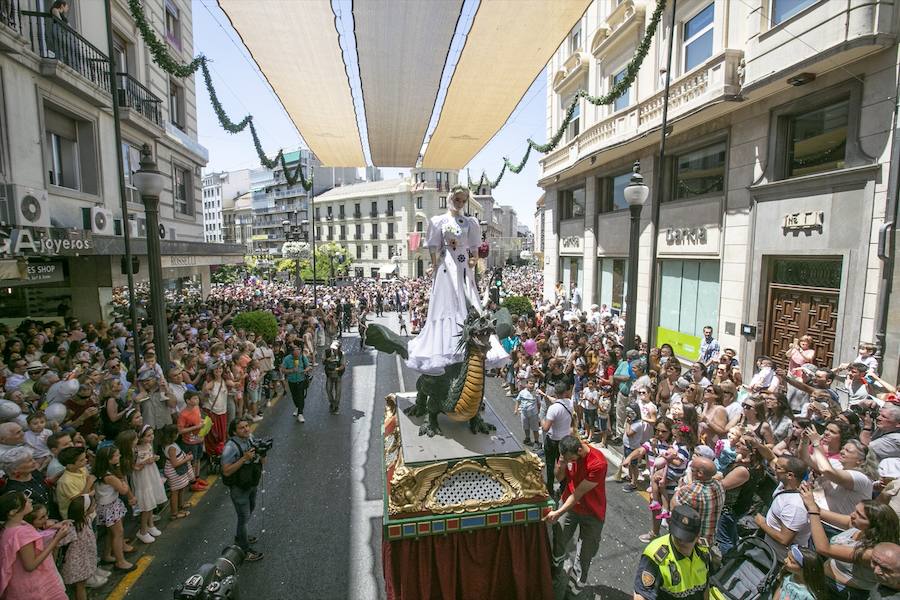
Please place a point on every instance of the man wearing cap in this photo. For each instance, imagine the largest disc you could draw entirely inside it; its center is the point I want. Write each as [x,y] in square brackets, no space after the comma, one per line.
[334,371]
[34,371]
[156,403]
[583,468]
[674,565]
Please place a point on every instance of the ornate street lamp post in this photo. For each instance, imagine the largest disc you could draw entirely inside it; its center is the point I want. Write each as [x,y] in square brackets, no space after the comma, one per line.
[150,182]
[636,194]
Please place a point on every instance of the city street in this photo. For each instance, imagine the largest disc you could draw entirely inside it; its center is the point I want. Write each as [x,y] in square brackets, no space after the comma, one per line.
[318,516]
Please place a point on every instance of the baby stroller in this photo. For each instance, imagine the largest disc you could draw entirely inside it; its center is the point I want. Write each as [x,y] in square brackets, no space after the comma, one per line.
[748,572]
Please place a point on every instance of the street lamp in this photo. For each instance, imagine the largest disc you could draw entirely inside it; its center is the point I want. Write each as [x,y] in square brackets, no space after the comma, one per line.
[636,194]
[150,182]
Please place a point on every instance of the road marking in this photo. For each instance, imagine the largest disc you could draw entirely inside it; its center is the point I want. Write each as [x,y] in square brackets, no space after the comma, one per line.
[125,584]
[197,496]
[362,583]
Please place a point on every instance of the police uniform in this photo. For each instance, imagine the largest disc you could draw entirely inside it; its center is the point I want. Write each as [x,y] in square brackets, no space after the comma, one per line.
[664,573]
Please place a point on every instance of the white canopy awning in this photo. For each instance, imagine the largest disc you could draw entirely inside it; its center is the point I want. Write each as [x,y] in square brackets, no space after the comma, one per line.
[509,44]
[389,268]
[402,48]
[296,47]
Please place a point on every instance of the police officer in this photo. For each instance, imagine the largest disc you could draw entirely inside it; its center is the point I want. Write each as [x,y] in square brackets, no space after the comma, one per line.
[675,565]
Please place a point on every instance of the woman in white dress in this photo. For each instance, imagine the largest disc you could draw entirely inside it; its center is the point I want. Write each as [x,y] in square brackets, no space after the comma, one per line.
[453,240]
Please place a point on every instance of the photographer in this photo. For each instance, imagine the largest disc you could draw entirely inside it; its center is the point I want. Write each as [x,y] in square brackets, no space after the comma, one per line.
[241,472]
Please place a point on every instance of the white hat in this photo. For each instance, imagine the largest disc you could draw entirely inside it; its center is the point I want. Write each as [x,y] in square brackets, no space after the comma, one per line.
[335,345]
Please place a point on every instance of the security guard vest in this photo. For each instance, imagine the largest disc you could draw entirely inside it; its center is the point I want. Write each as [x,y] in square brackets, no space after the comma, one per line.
[682,577]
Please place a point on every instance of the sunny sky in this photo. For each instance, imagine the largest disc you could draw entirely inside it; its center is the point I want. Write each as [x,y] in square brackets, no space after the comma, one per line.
[242,89]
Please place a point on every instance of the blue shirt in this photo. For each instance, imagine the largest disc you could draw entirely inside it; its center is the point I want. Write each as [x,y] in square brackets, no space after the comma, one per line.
[289,363]
[709,350]
[234,449]
[527,402]
[624,369]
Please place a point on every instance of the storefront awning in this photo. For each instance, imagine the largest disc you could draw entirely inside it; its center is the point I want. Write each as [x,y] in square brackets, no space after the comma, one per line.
[401,74]
[509,44]
[297,48]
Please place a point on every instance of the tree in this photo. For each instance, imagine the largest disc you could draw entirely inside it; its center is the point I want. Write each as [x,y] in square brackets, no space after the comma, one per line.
[518,305]
[260,322]
[227,274]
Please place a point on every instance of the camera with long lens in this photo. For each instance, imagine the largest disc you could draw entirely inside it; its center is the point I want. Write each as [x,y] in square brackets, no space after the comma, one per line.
[262,445]
[862,410]
[217,581]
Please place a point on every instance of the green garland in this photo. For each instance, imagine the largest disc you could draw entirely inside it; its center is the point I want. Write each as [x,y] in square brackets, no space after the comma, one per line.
[616,92]
[160,52]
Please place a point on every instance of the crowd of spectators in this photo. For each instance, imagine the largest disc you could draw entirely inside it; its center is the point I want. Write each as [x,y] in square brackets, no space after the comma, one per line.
[93,440]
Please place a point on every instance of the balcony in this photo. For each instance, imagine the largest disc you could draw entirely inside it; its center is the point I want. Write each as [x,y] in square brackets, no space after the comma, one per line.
[11,36]
[718,78]
[357,214]
[357,236]
[373,214]
[69,59]
[139,106]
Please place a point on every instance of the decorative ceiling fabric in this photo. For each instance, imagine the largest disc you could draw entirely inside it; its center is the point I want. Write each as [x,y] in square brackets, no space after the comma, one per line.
[508,45]
[402,48]
[297,48]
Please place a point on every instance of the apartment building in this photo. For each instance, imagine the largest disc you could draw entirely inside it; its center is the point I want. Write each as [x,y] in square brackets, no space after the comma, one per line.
[60,207]
[221,190]
[382,224]
[774,182]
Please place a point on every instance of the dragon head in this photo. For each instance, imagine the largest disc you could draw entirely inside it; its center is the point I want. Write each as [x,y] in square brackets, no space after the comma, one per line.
[477,330]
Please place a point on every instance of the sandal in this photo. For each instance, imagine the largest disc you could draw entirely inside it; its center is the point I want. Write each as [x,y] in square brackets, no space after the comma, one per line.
[180,514]
[646,538]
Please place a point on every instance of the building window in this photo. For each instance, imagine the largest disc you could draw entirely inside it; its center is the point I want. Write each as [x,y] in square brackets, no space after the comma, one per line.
[612,282]
[358,232]
[330,232]
[782,10]
[373,273]
[691,292]
[418,202]
[574,127]
[316,213]
[390,208]
[438,179]
[360,272]
[624,100]
[374,211]
[71,152]
[374,231]
[700,172]
[358,253]
[341,211]
[420,226]
[176,105]
[817,140]
[374,251]
[357,211]
[442,201]
[343,232]
[328,213]
[390,231]
[697,38]
[131,159]
[575,39]
[173,25]
[614,193]
[181,191]
[571,203]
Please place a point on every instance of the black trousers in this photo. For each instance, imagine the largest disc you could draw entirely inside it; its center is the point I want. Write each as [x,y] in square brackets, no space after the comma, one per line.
[298,393]
[551,454]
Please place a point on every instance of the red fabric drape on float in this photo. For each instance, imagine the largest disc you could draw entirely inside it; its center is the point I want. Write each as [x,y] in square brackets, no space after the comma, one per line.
[511,562]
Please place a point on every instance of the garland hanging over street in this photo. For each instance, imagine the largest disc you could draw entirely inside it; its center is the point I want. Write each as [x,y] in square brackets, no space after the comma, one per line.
[617,91]
[167,63]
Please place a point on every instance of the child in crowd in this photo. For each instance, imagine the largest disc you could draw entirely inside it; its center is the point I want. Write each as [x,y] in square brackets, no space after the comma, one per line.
[178,470]
[74,480]
[402,323]
[527,408]
[726,450]
[190,422]
[55,443]
[254,379]
[80,564]
[581,379]
[523,372]
[604,405]
[635,429]
[148,487]
[110,508]
[590,400]
[36,438]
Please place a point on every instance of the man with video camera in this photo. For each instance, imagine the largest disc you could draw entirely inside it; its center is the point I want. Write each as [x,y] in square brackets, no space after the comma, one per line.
[242,465]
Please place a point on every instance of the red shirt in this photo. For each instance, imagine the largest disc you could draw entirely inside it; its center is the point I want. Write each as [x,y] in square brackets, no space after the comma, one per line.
[189,418]
[592,468]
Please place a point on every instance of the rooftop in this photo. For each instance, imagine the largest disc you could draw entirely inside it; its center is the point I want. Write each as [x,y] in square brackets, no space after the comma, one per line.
[364,189]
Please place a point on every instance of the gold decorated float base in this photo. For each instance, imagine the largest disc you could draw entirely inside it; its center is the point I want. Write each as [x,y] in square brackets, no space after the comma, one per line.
[460,481]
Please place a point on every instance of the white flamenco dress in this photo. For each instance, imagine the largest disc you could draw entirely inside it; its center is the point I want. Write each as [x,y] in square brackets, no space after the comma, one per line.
[453,290]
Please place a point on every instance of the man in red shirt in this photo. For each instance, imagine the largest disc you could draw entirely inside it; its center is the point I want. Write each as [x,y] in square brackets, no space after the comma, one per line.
[583,506]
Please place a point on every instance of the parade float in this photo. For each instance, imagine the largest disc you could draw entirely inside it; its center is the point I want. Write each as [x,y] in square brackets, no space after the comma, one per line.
[463,500]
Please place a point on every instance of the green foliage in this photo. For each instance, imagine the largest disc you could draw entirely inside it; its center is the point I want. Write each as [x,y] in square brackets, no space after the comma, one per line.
[260,322]
[160,52]
[285,264]
[226,274]
[518,305]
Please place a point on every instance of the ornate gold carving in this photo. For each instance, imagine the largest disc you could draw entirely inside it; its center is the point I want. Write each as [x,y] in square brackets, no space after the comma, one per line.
[524,473]
[409,486]
[507,496]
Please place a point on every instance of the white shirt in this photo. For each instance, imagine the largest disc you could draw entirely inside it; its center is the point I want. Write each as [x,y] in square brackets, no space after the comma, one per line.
[787,510]
[560,416]
[841,500]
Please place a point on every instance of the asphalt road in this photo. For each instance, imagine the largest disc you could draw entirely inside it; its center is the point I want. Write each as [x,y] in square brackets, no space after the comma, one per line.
[318,515]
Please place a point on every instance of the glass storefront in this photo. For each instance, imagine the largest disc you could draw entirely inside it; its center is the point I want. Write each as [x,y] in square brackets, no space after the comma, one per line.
[571,268]
[612,282]
[688,301]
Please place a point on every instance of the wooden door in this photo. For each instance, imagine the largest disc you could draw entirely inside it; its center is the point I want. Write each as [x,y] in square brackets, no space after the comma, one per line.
[795,311]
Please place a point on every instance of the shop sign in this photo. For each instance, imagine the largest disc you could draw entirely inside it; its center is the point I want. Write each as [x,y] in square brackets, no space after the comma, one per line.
[804,221]
[45,272]
[685,236]
[685,345]
[571,243]
[48,241]
[173,261]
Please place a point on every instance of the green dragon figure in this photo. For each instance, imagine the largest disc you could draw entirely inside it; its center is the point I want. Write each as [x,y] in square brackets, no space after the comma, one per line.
[459,392]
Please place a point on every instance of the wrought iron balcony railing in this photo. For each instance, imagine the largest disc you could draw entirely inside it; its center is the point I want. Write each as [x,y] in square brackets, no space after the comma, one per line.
[10,16]
[52,39]
[133,95]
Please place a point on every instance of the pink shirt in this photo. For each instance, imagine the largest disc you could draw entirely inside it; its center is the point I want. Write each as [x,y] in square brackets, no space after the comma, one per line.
[44,583]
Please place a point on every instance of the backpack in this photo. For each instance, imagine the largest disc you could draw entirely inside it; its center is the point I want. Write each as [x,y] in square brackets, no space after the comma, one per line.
[245,478]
